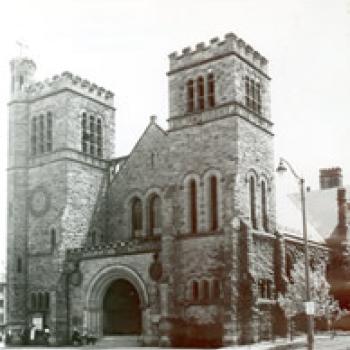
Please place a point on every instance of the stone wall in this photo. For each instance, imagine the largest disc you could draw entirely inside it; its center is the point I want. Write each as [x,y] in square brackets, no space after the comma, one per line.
[16,219]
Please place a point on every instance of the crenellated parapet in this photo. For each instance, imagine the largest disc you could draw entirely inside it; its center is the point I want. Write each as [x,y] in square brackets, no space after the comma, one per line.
[231,44]
[69,81]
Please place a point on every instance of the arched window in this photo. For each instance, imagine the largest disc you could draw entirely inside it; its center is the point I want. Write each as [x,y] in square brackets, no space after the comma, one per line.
[33,136]
[268,289]
[193,206]
[53,238]
[33,301]
[258,97]
[195,290]
[261,288]
[200,93]
[247,92]
[40,301]
[41,134]
[136,216]
[289,266]
[47,301]
[190,96]
[49,132]
[206,292]
[92,135]
[264,217]
[21,82]
[93,238]
[99,137]
[84,134]
[213,203]
[211,90]
[216,289]
[252,202]
[154,214]
[19,265]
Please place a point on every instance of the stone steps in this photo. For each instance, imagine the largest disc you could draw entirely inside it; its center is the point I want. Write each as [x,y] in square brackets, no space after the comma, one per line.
[118,341]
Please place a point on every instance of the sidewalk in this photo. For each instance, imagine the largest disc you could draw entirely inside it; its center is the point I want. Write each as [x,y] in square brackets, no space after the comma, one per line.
[299,342]
[278,344]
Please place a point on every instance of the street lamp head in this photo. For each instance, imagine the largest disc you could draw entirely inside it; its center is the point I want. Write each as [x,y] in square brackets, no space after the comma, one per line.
[281,169]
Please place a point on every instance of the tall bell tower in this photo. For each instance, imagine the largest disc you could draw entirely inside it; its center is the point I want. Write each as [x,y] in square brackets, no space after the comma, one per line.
[61,137]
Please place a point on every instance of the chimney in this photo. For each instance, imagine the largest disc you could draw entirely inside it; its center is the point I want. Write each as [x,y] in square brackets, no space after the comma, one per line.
[331,178]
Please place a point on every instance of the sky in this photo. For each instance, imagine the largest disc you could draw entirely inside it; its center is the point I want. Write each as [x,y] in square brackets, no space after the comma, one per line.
[123,45]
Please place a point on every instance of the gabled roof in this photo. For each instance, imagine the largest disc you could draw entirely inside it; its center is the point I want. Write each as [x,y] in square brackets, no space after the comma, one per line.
[288,213]
[322,209]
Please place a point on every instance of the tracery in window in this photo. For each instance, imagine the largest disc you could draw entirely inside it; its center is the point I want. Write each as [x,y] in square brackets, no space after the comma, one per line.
[190,96]
[211,90]
[200,93]
[253,95]
[91,135]
[41,134]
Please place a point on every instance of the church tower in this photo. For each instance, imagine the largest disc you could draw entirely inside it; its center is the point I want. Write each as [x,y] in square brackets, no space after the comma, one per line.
[61,137]
[219,101]
[228,79]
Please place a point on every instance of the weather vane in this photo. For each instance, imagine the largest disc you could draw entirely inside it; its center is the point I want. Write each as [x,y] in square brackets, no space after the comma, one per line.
[21,45]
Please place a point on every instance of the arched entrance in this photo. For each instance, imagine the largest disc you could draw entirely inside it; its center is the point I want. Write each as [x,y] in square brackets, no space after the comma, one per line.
[121,309]
[112,293]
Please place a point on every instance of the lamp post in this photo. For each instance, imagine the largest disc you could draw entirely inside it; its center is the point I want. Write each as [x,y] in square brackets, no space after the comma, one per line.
[283,167]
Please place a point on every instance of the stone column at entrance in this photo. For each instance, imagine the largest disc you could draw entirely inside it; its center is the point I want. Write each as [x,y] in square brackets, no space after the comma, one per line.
[147,336]
[164,323]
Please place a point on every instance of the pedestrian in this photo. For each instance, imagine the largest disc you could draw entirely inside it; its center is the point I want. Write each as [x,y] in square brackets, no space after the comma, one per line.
[32,333]
[76,338]
[46,334]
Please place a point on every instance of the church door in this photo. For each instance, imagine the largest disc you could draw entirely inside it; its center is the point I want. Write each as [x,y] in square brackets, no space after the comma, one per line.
[121,309]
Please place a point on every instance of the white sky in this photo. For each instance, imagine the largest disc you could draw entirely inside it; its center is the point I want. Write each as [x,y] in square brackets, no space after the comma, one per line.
[123,46]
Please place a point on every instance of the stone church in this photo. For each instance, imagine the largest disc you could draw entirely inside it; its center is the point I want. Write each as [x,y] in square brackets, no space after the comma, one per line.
[174,244]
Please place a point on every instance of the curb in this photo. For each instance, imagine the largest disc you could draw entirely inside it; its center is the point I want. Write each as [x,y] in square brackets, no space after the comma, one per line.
[294,345]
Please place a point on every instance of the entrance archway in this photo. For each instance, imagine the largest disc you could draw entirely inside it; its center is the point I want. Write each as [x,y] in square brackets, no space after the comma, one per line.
[121,309]
[113,282]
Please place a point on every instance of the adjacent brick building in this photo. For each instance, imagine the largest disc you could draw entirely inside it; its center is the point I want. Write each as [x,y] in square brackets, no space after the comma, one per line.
[181,233]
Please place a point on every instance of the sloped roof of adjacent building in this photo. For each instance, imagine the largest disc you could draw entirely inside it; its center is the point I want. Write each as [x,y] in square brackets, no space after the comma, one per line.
[288,212]
[322,209]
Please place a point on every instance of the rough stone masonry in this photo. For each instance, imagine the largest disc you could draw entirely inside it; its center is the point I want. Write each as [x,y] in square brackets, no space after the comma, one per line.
[176,243]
